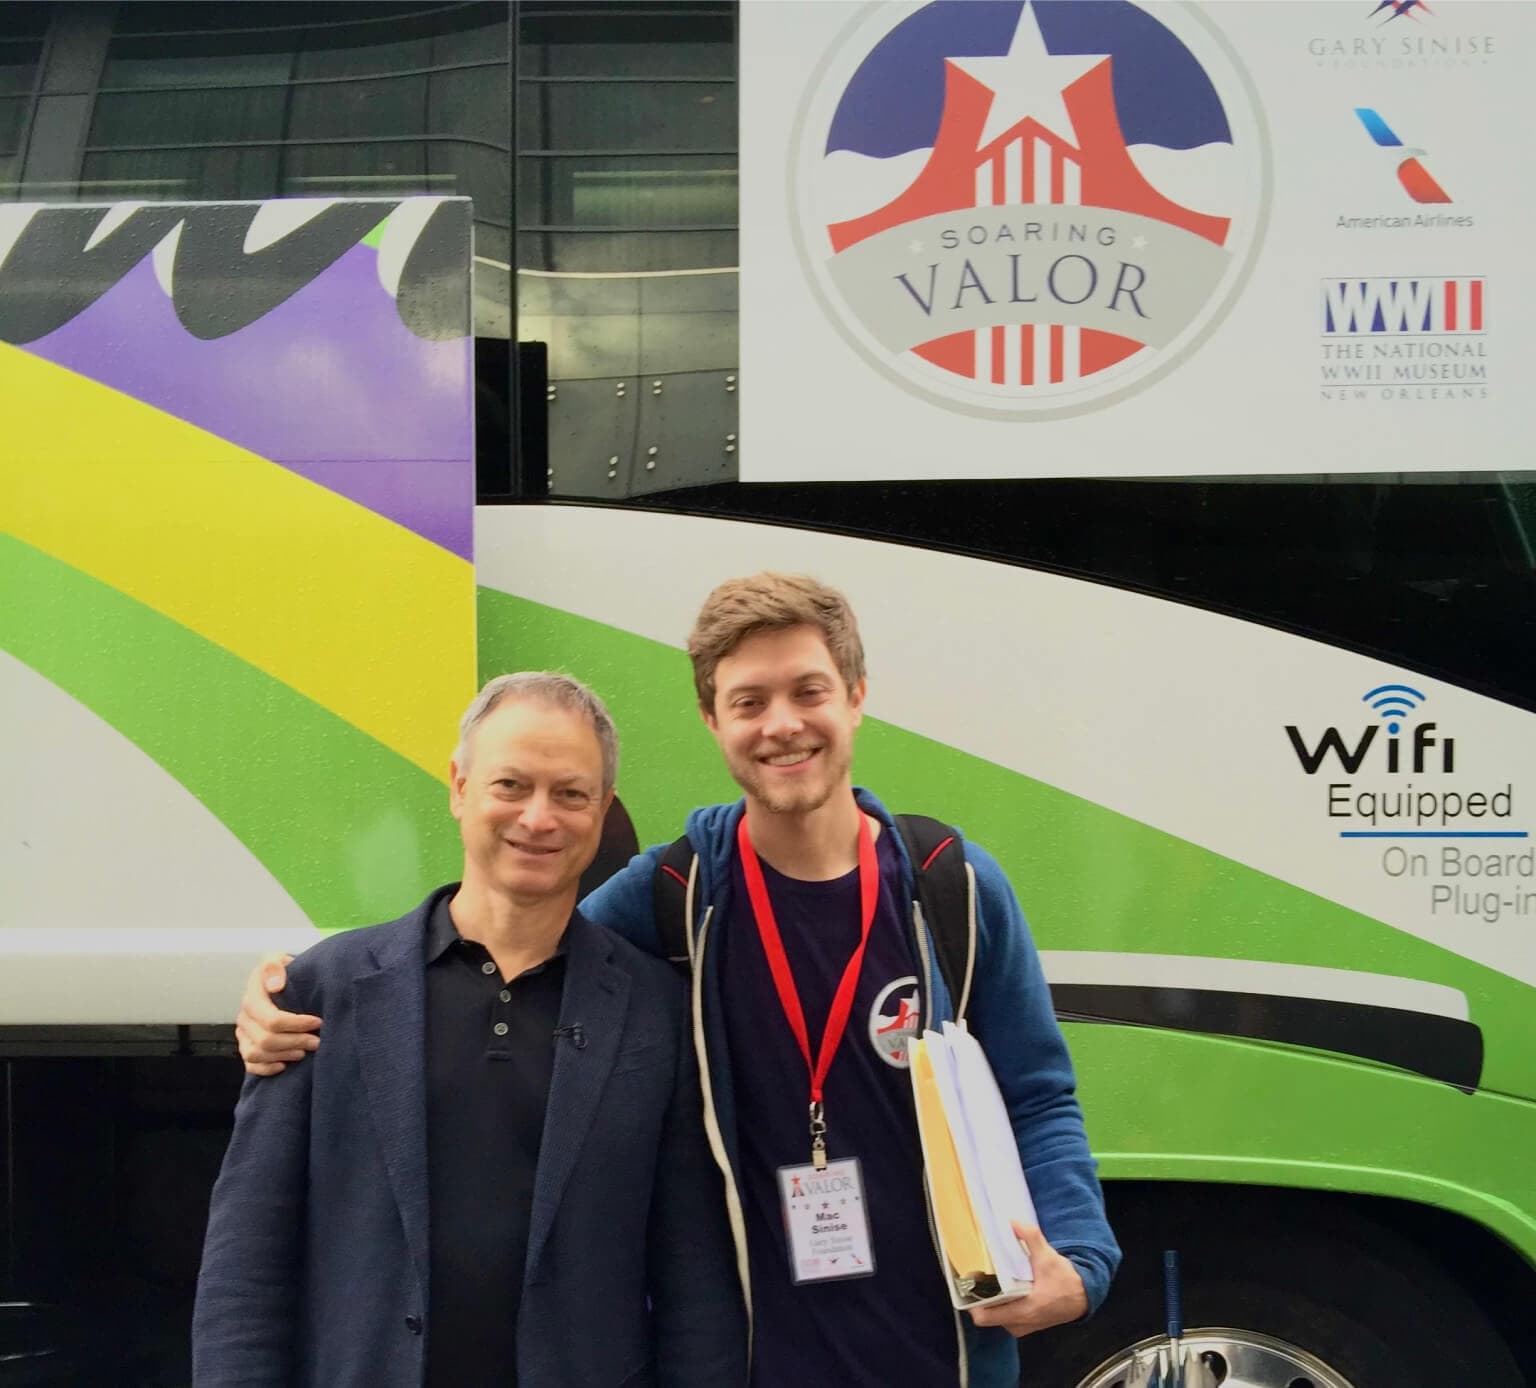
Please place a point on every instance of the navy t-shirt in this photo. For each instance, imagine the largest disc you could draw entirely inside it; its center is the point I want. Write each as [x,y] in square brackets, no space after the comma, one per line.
[896,1326]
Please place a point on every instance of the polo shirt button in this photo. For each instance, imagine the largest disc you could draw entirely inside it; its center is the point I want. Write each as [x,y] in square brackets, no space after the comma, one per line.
[506,995]
[413,1324]
[500,1028]
[489,967]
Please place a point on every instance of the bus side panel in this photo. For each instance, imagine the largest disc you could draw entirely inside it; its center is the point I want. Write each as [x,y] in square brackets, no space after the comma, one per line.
[239,622]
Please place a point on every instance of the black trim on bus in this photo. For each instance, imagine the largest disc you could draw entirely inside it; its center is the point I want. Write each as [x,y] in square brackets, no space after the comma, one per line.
[1439,1048]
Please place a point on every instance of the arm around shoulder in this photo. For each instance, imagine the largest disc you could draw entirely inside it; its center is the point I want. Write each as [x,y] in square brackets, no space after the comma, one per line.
[626,903]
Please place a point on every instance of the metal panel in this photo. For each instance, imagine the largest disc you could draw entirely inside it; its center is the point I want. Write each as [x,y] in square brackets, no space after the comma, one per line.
[592,436]
[687,432]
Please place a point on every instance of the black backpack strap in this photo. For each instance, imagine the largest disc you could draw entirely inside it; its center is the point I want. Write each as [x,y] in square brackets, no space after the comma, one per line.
[674,872]
[946,892]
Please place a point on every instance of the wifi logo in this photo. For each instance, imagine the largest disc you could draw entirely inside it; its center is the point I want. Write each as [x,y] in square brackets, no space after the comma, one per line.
[1393,702]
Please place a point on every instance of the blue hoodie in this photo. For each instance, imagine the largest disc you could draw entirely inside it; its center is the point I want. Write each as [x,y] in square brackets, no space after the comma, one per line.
[1009,1011]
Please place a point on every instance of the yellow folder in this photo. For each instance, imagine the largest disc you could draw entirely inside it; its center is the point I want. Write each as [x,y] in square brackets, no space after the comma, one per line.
[959,1229]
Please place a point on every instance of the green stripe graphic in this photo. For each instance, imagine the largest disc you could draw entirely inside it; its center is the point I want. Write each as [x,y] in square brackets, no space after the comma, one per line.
[353,831]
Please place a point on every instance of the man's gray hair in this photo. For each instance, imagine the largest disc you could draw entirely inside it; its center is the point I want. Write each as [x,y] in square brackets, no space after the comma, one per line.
[553,690]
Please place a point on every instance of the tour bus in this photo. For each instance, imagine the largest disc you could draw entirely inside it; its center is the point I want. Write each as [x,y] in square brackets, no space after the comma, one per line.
[1220,735]
[1256,748]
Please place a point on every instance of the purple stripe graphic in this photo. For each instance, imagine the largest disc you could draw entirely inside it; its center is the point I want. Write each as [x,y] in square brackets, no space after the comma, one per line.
[330,384]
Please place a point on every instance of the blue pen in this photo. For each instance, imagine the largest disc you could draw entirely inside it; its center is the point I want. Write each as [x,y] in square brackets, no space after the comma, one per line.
[1173,1307]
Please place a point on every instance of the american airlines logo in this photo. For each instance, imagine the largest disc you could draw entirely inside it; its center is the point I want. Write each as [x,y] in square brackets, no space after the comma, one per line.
[1386,307]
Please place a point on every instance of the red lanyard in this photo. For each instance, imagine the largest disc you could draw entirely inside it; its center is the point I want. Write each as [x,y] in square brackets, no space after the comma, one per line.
[784,978]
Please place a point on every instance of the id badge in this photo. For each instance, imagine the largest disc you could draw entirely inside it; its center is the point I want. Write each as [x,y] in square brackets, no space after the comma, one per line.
[827,1221]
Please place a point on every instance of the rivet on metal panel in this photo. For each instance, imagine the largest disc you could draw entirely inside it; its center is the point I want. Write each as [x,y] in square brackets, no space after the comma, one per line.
[730,448]
[612,474]
[550,393]
[614,461]
[655,387]
[730,385]
[620,390]
[730,438]
[650,465]
[653,450]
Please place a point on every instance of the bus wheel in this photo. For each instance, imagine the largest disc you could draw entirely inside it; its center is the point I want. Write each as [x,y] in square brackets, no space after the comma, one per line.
[1235,1358]
[1272,1301]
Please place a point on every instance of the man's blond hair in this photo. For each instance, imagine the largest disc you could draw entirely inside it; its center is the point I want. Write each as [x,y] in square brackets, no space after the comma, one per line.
[743,607]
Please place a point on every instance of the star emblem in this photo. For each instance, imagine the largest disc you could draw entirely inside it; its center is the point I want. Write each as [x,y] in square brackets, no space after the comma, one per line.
[1029,81]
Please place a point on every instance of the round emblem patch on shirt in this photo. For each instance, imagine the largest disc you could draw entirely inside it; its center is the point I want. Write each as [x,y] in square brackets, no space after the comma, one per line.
[894,1020]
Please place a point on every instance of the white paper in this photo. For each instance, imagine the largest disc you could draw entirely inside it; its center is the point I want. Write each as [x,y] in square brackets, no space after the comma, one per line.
[1004,1191]
[988,1154]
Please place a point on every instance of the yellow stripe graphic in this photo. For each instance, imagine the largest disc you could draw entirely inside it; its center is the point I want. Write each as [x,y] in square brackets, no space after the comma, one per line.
[350,609]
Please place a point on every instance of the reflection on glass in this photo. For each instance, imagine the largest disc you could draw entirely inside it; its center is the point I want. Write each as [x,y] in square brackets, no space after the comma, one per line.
[173,175]
[256,101]
[393,106]
[12,114]
[627,116]
[209,116]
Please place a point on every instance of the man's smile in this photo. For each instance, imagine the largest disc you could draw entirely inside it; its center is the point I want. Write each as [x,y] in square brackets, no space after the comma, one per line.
[793,758]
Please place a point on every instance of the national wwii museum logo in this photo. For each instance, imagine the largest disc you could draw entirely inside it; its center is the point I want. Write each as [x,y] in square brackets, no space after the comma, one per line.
[1028,210]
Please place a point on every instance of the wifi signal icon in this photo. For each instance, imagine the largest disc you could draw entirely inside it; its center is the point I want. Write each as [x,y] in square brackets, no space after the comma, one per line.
[1393,702]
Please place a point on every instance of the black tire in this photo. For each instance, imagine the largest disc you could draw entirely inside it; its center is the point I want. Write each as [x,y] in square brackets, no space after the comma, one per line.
[1314,1273]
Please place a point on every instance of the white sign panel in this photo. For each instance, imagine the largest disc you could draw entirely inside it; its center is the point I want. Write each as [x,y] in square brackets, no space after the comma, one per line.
[1050,238]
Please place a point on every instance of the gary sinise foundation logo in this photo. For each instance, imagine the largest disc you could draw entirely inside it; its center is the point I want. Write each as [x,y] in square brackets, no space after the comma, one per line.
[1028,209]
[1369,765]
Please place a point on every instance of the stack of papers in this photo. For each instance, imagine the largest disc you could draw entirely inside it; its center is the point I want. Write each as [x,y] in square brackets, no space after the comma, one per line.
[975,1179]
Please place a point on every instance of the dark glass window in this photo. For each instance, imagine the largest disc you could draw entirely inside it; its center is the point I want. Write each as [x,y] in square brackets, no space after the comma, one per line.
[174,175]
[200,60]
[18,63]
[203,116]
[575,192]
[358,110]
[12,113]
[22,27]
[600,38]
[262,100]
[627,116]
[626,132]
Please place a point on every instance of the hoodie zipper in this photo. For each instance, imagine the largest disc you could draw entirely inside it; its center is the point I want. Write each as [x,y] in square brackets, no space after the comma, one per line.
[712,1126]
[920,935]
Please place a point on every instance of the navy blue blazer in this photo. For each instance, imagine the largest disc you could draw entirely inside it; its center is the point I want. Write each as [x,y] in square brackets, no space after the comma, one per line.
[315,1265]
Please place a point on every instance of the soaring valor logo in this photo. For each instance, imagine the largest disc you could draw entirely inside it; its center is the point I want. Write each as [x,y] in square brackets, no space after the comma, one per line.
[1028,209]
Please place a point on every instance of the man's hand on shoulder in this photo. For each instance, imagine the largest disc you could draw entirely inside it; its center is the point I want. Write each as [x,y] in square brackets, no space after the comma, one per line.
[1056,1298]
[269,1037]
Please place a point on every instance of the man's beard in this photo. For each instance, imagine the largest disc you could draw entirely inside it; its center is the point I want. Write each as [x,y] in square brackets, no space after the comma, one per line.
[792,799]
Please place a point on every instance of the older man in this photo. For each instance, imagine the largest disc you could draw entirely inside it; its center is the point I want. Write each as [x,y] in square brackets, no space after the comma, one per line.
[494,1174]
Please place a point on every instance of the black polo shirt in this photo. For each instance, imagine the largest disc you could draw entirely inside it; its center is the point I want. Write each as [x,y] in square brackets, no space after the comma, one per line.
[489,1056]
